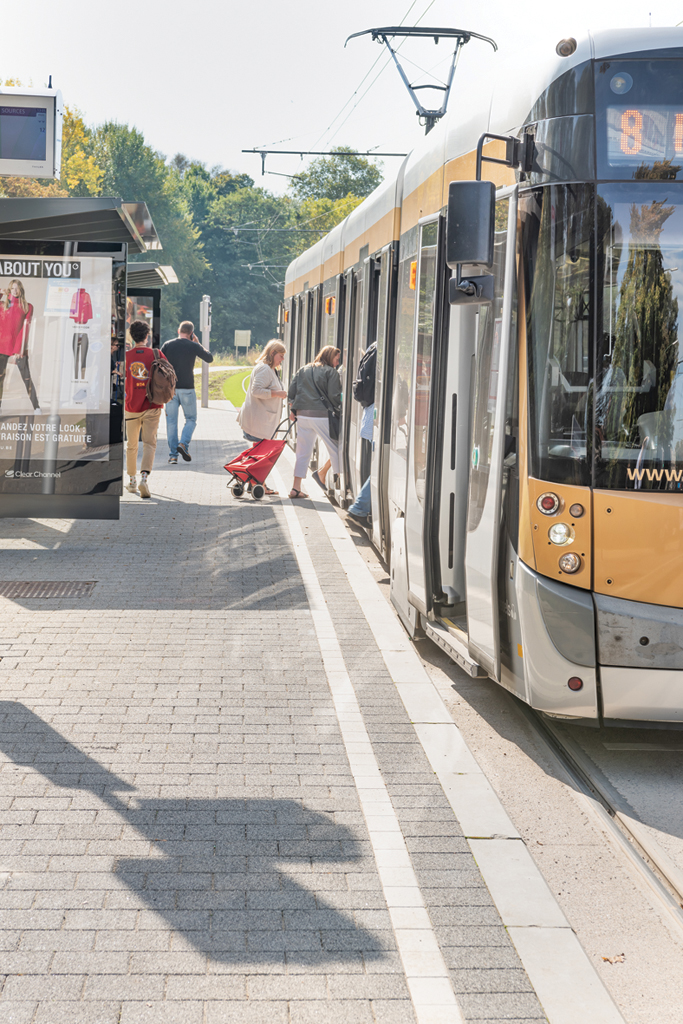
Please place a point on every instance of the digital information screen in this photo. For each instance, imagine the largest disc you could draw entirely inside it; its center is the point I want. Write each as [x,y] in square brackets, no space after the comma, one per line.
[23,133]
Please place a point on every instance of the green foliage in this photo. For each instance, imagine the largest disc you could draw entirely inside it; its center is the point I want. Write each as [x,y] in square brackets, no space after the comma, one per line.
[336,177]
[222,235]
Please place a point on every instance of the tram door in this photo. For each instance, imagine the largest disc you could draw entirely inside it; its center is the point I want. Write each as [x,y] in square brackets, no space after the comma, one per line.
[381,430]
[488,445]
[426,320]
[354,409]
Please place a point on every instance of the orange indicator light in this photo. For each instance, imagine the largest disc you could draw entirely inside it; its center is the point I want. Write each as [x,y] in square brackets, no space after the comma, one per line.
[413,274]
[678,134]
[631,132]
[329,305]
[286,316]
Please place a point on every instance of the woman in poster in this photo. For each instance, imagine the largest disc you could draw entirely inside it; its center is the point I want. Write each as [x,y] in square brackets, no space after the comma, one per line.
[15,322]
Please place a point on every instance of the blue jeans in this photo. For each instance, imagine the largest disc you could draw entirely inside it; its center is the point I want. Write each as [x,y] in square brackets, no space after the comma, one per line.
[187,398]
[362,506]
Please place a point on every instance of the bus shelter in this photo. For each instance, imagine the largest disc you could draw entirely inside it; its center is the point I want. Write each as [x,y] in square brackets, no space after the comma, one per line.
[63,307]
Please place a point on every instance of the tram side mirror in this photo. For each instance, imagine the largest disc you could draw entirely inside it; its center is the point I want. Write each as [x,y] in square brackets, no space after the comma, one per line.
[469,238]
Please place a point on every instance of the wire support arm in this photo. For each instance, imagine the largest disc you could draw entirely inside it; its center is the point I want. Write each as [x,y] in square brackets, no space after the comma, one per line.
[461,36]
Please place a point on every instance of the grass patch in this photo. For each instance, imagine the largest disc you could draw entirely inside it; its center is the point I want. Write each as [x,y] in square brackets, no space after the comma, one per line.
[232,386]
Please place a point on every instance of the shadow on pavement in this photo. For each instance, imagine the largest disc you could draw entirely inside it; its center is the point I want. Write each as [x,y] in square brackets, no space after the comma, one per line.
[229,875]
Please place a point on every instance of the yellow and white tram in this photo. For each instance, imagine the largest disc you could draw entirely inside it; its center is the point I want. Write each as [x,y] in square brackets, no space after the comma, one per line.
[527,454]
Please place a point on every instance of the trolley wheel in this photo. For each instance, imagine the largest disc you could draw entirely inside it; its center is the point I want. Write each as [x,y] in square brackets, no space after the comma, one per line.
[257,491]
[238,490]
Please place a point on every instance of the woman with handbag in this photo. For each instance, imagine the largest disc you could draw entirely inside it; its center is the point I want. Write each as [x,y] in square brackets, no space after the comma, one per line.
[315,403]
[260,415]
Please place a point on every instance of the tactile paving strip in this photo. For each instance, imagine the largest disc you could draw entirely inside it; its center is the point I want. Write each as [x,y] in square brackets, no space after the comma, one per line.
[46,588]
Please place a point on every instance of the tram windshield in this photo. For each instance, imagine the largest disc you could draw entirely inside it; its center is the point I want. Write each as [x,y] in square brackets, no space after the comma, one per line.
[639,372]
[617,403]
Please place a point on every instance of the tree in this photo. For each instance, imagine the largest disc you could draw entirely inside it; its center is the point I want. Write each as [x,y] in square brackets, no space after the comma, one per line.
[336,177]
[133,171]
[81,175]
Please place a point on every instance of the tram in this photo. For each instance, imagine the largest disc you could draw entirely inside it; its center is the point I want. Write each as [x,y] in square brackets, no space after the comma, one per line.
[527,455]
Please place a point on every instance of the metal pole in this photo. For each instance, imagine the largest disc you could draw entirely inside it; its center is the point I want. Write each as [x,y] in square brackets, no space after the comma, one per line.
[205,371]
[205,327]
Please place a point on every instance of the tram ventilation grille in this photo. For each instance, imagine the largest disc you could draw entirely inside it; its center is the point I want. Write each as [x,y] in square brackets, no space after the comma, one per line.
[46,588]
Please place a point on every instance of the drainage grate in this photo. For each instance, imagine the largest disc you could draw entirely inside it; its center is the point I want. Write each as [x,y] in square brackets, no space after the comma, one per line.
[47,588]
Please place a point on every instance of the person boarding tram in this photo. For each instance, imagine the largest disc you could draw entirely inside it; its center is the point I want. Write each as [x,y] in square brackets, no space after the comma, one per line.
[315,403]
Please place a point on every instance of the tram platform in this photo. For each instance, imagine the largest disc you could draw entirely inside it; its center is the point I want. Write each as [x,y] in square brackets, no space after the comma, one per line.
[230,792]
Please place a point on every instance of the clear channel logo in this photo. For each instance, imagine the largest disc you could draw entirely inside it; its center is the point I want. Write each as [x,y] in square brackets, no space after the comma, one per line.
[15,474]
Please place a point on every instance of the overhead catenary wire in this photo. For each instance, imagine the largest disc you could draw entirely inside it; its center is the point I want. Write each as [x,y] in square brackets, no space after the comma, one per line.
[363,79]
[382,70]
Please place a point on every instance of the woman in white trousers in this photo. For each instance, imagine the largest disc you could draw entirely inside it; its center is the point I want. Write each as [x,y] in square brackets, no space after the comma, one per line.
[314,382]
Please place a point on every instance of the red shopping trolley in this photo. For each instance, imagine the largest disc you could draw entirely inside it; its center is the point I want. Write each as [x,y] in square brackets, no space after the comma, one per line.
[254,465]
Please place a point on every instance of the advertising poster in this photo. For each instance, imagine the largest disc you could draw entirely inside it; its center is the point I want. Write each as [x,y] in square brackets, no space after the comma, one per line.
[55,358]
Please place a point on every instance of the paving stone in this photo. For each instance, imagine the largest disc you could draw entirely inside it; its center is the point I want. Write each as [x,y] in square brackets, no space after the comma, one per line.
[180,823]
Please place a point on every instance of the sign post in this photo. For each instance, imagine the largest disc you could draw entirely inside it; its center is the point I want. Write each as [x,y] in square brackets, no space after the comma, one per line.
[242,340]
[205,328]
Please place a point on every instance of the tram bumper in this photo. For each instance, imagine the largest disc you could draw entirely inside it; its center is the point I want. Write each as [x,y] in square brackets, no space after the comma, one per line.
[640,649]
[557,625]
[628,655]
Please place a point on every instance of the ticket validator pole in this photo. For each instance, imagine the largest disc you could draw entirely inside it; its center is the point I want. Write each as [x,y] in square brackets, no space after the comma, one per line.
[205,328]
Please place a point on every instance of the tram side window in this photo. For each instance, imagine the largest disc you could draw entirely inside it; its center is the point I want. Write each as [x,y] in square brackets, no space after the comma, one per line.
[381,317]
[487,357]
[403,357]
[557,225]
[425,340]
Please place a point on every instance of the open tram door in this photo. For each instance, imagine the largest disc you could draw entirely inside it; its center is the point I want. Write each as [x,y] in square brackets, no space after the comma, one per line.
[494,341]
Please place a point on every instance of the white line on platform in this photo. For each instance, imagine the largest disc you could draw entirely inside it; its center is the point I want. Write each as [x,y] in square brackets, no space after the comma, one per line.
[566,982]
[426,972]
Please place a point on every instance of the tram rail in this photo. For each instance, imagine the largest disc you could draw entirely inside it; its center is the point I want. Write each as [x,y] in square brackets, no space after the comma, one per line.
[644,856]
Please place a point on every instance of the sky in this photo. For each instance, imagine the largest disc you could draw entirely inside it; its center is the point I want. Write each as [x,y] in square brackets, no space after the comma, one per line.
[209,78]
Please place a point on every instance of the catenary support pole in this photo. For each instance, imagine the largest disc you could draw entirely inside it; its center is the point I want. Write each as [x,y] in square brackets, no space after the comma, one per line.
[205,328]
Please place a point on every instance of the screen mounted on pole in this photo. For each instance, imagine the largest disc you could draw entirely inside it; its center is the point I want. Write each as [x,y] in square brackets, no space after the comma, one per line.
[30,132]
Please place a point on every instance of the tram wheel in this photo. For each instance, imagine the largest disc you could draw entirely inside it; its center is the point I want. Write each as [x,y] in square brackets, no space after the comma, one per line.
[257,491]
[238,490]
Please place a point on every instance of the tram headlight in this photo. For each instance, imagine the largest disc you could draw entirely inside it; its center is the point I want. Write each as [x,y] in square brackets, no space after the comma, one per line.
[548,503]
[621,83]
[570,562]
[561,533]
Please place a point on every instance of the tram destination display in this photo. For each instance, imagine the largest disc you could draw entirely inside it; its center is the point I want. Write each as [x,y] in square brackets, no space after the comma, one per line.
[639,119]
[644,134]
[55,361]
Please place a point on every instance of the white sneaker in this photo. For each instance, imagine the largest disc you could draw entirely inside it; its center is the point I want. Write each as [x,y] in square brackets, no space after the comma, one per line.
[144,489]
[38,411]
[81,395]
[132,485]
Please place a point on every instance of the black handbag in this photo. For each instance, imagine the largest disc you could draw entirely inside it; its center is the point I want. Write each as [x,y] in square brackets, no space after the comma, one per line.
[333,418]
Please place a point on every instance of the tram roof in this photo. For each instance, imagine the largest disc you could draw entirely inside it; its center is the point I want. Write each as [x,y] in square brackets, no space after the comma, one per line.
[448,152]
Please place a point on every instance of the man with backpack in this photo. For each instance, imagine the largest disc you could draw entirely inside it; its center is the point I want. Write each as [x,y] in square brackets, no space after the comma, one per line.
[364,392]
[150,383]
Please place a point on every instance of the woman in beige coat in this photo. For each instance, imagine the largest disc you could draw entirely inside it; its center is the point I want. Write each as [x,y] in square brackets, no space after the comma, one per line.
[262,409]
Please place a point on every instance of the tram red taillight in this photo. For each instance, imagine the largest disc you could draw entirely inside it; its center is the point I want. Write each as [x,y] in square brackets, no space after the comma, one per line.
[574,683]
[548,503]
